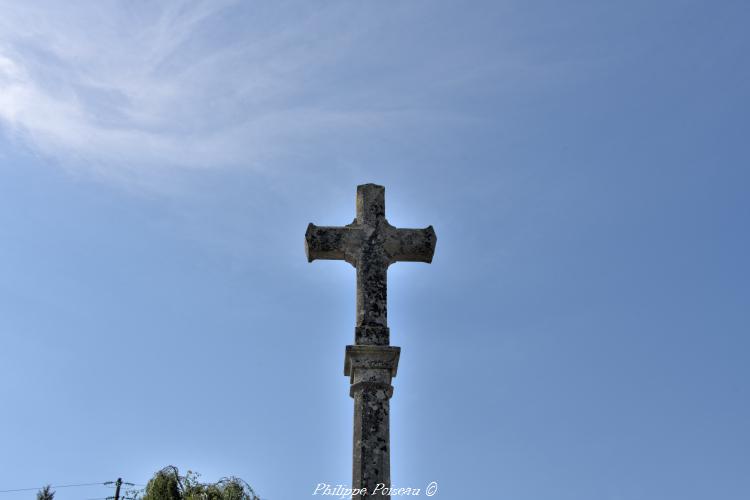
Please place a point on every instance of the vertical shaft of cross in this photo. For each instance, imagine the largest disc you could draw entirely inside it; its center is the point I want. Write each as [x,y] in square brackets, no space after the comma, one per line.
[371,369]
[372,262]
[371,460]
[370,204]
[371,386]
[372,290]
[370,244]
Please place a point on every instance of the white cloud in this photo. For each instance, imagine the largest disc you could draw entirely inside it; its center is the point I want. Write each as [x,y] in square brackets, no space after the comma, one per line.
[130,89]
[122,89]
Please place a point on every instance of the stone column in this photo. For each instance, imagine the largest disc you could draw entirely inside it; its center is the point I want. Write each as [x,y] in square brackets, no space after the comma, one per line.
[370,368]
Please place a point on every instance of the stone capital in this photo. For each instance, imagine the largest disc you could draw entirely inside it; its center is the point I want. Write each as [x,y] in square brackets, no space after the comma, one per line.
[371,357]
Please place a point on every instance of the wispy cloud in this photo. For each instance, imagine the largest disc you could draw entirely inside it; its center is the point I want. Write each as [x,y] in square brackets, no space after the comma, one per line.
[134,89]
[123,86]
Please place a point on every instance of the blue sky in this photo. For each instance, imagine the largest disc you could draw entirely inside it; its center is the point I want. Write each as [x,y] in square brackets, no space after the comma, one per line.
[582,333]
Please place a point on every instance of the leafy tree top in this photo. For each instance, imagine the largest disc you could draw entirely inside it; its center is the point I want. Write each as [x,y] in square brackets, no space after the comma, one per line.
[168,484]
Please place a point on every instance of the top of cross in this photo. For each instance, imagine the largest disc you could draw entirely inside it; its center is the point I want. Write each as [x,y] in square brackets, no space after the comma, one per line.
[370,244]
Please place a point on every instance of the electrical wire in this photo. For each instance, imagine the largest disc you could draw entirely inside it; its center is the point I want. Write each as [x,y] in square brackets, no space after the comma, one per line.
[53,486]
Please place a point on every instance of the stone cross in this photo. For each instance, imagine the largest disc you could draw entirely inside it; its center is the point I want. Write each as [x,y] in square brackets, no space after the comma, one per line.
[370,244]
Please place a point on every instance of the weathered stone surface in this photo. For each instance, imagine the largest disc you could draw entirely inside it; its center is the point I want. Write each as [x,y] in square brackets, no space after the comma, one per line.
[370,368]
[371,463]
[360,358]
[372,335]
[371,244]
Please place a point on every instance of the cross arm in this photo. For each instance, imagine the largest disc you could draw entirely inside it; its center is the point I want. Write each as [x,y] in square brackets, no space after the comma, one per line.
[411,245]
[329,243]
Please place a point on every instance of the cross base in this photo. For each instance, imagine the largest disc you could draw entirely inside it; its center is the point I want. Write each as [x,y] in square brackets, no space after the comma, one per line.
[370,369]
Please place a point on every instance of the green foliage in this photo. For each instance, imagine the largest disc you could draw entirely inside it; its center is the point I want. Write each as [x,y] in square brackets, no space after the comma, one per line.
[167,484]
[45,493]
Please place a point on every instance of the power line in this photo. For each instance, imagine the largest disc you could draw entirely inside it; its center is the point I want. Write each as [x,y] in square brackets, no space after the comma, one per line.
[58,486]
